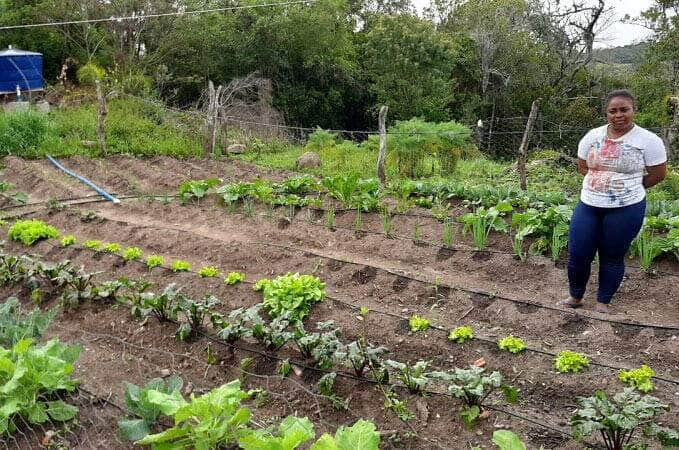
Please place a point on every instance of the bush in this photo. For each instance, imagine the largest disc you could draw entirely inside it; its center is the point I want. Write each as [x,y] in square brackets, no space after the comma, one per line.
[90,73]
[21,132]
[423,148]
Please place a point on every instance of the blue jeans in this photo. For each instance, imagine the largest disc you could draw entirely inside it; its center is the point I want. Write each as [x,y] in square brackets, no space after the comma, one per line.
[608,231]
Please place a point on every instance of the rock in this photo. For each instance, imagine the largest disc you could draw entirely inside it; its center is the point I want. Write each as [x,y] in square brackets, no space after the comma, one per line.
[308,160]
[235,149]
[42,106]
[165,373]
[89,144]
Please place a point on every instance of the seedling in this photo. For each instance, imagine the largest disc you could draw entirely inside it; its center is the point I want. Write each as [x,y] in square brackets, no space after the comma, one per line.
[234,277]
[112,247]
[512,344]
[330,219]
[93,244]
[413,377]
[154,261]
[387,223]
[568,361]
[208,272]
[448,232]
[179,265]
[461,334]
[67,241]
[132,254]
[639,379]
[418,323]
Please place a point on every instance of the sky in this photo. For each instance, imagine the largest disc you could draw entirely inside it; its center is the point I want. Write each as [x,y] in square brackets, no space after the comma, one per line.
[617,34]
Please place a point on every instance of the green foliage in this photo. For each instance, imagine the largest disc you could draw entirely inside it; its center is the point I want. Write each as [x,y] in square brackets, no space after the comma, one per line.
[93,244]
[482,221]
[418,323]
[412,376]
[512,344]
[208,272]
[196,189]
[28,232]
[292,295]
[292,432]
[154,261]
[30,376]
[112,247]
[323,346]
[163,306]
[568,361]
[353,191]
[234,277]
[213,420]
[179,265]
[15,326]
[67,241]
[146,413]
[90,73]
[194,313]
[132,254]
[22,132]
[448,233]
[461,334]
[507,440]
[17,197]
[421,145]
[359,355]
[361,435]
[639,378]
[618,418]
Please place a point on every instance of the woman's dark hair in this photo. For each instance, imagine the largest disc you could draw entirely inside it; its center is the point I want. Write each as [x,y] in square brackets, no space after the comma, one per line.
[623,93]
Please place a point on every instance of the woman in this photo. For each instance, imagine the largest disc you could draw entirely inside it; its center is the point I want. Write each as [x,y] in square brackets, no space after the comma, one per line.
[619,161]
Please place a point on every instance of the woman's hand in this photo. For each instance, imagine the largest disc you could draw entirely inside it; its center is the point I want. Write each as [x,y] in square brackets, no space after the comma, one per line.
[582,166]
[654,175]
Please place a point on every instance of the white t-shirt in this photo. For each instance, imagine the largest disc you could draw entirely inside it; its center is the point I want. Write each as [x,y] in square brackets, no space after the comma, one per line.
[617,166]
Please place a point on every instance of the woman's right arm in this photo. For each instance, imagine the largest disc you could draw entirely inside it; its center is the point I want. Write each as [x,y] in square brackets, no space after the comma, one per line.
[582,166]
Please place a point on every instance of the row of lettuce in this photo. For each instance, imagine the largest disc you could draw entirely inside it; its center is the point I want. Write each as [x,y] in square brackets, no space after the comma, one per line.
[538,224]
[287,302]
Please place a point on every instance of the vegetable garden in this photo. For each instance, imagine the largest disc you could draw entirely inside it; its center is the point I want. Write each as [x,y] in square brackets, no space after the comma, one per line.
[225,306]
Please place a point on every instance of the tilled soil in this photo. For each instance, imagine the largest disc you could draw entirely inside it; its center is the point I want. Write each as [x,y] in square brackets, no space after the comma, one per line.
[395,278]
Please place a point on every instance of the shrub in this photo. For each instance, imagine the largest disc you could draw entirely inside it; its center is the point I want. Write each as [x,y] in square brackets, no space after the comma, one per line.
[29,232]
[90,73]
[21,132]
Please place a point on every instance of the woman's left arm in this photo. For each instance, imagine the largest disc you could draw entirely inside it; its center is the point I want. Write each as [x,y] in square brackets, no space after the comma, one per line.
[654,175]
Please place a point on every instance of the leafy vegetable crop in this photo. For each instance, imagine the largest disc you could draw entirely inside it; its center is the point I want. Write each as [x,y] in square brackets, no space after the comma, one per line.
[640,378]
[28,232]
[154,261]
[461,334]
[132,254]
[93,244]
[196,189]
[208,272]
[512,344]
[234,277]
[112,247]
[15,326]
[292,294]
[67,241]
[361,435]
[568,361]
[482,221]
[418,323]
[179,265]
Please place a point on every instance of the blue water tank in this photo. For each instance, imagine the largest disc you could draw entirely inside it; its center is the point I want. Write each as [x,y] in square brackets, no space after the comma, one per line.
[20,68]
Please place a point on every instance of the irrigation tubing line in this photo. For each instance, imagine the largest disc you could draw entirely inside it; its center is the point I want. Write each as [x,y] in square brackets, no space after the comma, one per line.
[395,273]
[400,317]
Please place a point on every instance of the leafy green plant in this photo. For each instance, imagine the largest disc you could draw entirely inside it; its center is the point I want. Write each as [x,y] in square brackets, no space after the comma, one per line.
[208,272]
[234,277]
[154,261]
[292,432]
[112,247]
[387,223]
[648,247]
[639,379]
[179,265]
[568,361]
[461,334]
[213,420]
[284,368]
[28,232]
[237,324]
[163,306]
[196,189]
[132,254]
[292,294]
[322,346]
[448,232]
[326,386]
[67,241]
[507,440]
[473,385]
[330,219]
[146,413]
[512,344]
[31,375]
[417,323]
[482,221]
[359,355]
[93,244]
[15,326]
[194,313]
[412,376]
[618,418]
[77,287]
[361,435]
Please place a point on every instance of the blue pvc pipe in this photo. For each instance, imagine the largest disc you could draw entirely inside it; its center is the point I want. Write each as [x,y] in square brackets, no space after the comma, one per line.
[84,180]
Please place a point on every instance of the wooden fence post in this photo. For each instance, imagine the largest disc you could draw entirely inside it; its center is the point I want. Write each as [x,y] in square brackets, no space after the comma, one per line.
[673,129]
[523,150]
[101,118]
[211,120]
[382,120]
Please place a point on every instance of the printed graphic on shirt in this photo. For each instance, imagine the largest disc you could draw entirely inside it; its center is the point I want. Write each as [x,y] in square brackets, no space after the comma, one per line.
[612,168]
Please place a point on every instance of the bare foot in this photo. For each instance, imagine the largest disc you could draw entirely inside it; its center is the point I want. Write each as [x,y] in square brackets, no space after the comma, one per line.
[570,302]
[602,308]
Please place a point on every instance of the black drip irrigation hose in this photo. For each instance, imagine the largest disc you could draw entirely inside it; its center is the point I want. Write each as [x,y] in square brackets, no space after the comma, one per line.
[395,273]
[397,316]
